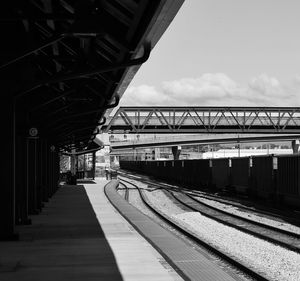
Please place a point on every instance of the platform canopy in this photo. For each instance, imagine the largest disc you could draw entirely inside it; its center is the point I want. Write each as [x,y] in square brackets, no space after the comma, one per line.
[65,62]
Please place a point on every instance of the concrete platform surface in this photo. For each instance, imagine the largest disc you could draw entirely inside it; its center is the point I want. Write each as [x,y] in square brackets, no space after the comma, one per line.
[80,236]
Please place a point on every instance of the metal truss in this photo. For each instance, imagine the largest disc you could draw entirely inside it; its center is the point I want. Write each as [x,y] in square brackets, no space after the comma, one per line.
[141,120]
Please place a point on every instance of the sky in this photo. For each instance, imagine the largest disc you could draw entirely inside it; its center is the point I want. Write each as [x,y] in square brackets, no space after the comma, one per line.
[224,53]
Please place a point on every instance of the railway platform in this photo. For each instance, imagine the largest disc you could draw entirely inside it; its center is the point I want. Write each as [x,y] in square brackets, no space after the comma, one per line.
[80,236]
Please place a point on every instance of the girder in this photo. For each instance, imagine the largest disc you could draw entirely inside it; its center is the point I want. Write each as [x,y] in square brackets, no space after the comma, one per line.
[143,120]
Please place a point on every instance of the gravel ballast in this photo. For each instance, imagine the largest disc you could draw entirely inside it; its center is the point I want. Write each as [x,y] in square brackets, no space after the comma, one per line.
[273,261]
[121,191]
[160,200]
[251,216]
[270,260]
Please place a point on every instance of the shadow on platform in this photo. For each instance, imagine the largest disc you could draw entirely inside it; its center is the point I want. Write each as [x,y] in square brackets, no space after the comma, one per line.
[65,242]
[85,181]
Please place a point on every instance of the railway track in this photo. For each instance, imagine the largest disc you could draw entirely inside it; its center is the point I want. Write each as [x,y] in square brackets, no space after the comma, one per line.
[240,266]
[277,236]
[126,195]
[286,239]
[292,216]
[284,231]
[192,194]
[238,203]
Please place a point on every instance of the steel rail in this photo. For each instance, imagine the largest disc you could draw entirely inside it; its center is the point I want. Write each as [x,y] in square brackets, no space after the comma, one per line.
[272,212]
[276,213]
[126,191]
[241,228]
[225,257]
[260,224]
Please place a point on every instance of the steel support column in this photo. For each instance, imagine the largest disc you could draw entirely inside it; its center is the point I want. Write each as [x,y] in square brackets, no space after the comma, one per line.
[39,174]
[53,170]
[7,193]
[84,168]
[176,152]
[44,174]
[94,165]
[32,163]
[295,146]
[51,191]
[74,165]
[47,170]
[21,181]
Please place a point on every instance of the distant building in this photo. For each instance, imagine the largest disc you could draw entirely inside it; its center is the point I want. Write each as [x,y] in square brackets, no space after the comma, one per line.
[227,153]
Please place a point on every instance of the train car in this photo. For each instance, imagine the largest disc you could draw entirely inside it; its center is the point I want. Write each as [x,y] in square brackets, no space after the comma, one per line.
[262,178]
[177,171]
[166,171]
[288,179]
[272,178]
[220,171]
[200,176]
[186,174]
[240,175]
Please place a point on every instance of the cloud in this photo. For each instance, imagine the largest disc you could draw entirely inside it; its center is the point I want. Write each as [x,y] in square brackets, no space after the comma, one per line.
[216,89]
[209,87]
[145,95]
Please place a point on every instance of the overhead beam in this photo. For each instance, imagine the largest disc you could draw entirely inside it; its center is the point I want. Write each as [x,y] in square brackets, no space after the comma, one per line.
[60,77]
[201,140]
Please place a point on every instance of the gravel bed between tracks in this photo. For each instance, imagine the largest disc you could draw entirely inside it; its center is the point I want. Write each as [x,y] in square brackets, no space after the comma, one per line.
[234,210]
[135,200]
[121,191]
[273,261]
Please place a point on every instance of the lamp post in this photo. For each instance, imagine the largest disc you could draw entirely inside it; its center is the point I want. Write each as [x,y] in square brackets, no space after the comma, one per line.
[239,147]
